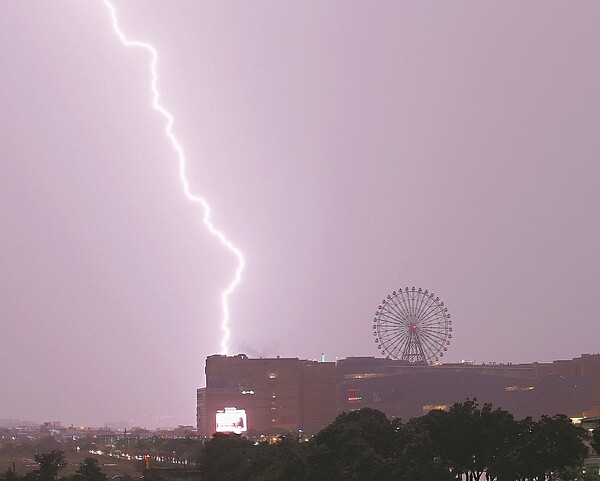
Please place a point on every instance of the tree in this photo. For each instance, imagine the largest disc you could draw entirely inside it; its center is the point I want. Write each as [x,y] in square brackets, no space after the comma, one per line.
[465,442]
[89,470]
[50,465]
[499,436]
[551,444]
[9,475]
[595,442]
[284,460]
[357,445]
[225,457]
[458,438]
[419,452]
[577,473]
[560,443]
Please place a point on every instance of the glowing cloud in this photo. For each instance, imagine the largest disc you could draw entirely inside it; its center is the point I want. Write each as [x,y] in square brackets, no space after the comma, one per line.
[182,174]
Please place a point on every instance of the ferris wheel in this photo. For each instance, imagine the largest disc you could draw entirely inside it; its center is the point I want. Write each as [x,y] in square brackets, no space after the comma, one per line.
[412,325]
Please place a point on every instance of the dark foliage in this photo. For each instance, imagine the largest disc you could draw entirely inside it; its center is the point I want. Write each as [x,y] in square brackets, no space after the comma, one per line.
[9,475]
[596,440]
[225,458]
[89,470]
[465,442]
[468,441]
[357,445]
[50,465]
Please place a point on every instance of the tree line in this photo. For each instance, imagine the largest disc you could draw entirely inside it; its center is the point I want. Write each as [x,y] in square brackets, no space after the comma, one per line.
[466,442]
[52,463]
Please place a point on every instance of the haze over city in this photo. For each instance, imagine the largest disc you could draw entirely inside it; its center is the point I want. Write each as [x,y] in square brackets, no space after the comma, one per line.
[348,149]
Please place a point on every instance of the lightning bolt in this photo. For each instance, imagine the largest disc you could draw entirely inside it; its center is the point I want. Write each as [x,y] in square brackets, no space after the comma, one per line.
[206,210]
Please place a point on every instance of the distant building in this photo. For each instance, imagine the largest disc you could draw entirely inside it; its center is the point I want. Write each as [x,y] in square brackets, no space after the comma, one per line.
[9,423]
[117,425]
[201,411]
[53,428]
[288,394]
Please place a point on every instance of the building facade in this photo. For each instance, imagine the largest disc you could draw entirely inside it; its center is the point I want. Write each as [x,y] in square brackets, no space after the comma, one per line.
[412,391]
[279,395]
[283,395]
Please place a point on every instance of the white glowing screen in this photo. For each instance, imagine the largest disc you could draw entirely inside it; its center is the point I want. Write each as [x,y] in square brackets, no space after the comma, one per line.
[232,420]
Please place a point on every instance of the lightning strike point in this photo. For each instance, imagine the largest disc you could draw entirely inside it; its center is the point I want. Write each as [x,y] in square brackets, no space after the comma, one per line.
[206,211]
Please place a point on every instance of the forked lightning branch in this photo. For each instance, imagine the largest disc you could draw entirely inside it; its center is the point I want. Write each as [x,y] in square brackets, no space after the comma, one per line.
[206,211]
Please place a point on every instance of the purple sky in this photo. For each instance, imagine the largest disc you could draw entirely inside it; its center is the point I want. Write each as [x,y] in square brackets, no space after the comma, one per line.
[348,148]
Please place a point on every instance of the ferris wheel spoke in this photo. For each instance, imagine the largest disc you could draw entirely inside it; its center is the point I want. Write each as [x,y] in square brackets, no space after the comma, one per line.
[422,304]
[427,314]
[387,341]
[392,302]
[431,307]
[389,309]
[392,320]
[392,342]
[423,350]
[391,323]
[431,348]
[389,330]
[407,351]
[391,333]
[408,303]
[436,345]
[432,313]
[430,339]
[400,304]
[396,340]
[436,320]
[418,303]
[436,334]
[397,326]
[390,313]
[438,330]
[392,308]
[400,341]
[400,308]
[404,303]
[433,328]
[413,303]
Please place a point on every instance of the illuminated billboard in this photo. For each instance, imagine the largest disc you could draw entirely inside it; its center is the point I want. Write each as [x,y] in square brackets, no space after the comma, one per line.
[231,420]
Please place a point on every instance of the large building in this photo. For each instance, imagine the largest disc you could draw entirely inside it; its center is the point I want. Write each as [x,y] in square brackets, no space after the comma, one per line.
[280,395]
[406,390]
